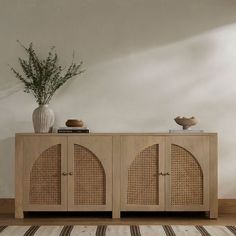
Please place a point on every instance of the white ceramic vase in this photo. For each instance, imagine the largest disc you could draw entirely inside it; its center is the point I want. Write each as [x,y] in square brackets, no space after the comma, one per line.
[43,119]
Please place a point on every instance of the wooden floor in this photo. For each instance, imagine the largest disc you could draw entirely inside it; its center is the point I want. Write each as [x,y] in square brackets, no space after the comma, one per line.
[138,219]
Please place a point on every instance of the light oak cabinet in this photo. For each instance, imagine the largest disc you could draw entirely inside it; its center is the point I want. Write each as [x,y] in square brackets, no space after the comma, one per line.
[62,173]
[116,172]
[169,173]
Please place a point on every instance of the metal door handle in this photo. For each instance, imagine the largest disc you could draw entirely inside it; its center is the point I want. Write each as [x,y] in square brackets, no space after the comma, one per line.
[64,173]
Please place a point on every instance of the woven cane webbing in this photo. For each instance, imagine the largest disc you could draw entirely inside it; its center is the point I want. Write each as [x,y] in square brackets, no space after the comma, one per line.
[90,180]
[45,177]
[186,178]
[143,178]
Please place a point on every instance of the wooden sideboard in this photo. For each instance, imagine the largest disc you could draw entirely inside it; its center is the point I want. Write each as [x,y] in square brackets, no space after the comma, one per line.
[116,172]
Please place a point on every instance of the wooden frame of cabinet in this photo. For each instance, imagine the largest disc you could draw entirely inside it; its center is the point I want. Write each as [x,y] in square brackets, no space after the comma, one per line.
[33,148]
[130,147]
[101,147]
[115,153]
[191,144]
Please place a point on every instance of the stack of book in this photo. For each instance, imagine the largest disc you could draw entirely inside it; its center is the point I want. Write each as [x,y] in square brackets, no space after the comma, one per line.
[73,130]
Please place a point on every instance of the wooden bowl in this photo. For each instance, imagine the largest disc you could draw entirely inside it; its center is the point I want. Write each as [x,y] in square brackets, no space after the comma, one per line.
[74,123]
[186,122]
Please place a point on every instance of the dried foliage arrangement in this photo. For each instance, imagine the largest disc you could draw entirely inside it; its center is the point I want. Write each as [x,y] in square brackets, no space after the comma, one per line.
[43,77]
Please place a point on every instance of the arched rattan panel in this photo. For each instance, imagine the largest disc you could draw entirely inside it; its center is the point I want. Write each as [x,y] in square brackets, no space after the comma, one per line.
[143,179]
[89,178]
[186,178]
[45,177]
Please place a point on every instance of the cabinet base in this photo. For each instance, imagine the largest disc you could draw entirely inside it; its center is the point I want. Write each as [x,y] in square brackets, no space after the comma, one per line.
[117,215]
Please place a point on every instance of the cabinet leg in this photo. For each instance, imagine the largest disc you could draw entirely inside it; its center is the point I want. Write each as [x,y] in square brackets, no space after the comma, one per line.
[19,214]
[212,214]
[115,214]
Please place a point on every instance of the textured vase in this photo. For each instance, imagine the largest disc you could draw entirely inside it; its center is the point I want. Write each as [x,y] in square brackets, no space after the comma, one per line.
[43,119]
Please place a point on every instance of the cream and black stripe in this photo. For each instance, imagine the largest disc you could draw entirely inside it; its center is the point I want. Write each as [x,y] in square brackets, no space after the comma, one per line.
[101,230]
[31,231]
[202,230]
[168,230]
[232,229]
[66,230]
[2,227]
[134,230]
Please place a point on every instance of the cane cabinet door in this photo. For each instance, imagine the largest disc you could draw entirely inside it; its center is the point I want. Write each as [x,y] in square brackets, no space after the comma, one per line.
[90,173]
[142,165]
[44,163]
[187,181]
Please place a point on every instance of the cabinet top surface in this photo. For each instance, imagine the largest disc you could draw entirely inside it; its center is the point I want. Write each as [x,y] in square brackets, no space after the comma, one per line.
[112,134]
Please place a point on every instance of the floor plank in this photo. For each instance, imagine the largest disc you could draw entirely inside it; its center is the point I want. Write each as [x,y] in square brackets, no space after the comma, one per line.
[223,219]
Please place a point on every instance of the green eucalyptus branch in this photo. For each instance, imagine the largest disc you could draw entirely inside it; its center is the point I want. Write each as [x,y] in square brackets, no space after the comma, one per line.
[43,77]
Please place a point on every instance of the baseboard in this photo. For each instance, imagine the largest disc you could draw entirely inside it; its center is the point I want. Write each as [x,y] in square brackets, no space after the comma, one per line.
[227,206]
[7,206]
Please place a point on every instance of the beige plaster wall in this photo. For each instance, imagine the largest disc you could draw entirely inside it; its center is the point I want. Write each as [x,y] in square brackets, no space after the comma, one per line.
[147,61]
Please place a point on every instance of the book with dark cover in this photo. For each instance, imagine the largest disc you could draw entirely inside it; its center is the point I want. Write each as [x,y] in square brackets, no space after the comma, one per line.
[73,131]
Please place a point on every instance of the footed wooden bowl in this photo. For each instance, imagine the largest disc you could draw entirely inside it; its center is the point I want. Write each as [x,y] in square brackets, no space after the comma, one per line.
[186,122]
[74,123]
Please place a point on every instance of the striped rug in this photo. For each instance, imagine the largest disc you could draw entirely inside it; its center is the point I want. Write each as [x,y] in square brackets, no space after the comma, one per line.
[118,230]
